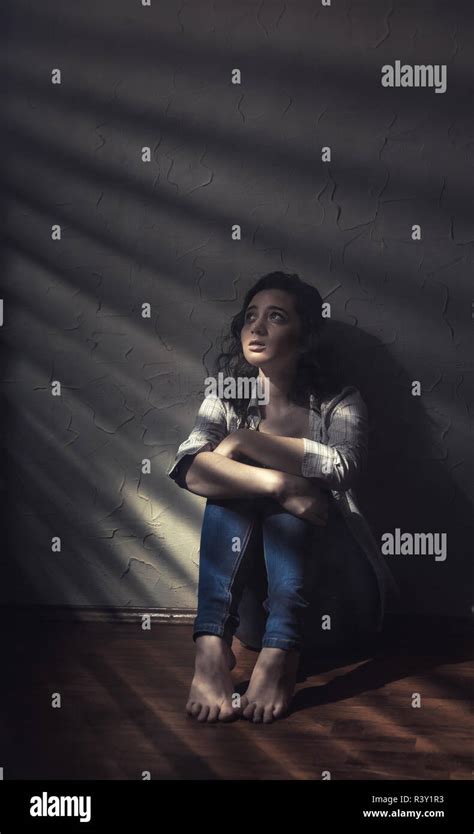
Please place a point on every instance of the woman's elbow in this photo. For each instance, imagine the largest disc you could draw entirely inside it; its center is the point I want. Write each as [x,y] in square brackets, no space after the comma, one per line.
[188,476]
[347,470]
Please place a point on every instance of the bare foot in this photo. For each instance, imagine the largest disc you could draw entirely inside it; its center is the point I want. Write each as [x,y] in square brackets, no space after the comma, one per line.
[210,696]
[271,686]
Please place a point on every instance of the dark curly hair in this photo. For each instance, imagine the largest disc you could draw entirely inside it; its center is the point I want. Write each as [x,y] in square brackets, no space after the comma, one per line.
[316,371]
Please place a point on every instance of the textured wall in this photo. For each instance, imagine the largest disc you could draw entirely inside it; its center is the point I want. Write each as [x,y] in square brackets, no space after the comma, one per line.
[159,231]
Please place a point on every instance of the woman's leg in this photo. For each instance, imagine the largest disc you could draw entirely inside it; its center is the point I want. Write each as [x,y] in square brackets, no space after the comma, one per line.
[252,614]
[225,552]
[289,555]
[313,572]
[288,551]
[229,538]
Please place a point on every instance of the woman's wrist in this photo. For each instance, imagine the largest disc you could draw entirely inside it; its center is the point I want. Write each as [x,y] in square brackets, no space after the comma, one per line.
[276,481]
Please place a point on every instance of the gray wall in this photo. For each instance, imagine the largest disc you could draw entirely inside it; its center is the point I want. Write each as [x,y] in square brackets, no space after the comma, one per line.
[160,232]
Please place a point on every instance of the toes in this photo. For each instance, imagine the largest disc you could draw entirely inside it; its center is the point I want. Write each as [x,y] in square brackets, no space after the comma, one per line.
[204,713]
[226,713]
[268,714]
[249,710]
[258,713]
[280,710]
[213,713]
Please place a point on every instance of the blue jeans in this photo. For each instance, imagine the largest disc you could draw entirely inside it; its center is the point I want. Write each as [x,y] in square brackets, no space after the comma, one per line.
[236,533]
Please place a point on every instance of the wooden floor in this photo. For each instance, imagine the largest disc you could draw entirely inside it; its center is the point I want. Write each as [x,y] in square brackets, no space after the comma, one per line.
[123,692]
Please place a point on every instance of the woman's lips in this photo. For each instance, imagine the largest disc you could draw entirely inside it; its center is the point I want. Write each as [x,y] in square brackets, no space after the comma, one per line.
[257,348]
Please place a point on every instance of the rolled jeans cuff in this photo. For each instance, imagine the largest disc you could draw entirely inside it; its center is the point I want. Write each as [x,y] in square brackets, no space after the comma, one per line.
[212,628]
[281,643]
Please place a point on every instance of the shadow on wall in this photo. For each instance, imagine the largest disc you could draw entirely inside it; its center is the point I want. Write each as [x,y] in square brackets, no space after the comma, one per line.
[408,482]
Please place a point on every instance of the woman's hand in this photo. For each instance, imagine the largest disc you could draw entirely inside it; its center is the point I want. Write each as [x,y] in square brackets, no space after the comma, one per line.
[300,497]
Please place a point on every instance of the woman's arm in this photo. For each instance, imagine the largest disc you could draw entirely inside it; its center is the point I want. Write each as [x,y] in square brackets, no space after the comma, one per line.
[265,449]
[212,475]
[336,465]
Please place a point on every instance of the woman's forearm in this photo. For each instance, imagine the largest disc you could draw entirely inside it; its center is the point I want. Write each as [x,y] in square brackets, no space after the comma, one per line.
[215,476]
[268,448]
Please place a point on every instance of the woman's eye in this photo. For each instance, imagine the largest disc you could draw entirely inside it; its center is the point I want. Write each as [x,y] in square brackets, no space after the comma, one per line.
[272,315]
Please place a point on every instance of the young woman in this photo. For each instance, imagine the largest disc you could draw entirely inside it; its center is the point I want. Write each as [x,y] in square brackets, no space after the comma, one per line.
[278,478]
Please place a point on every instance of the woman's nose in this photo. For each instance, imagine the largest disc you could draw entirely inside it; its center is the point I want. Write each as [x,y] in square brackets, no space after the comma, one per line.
[258,326]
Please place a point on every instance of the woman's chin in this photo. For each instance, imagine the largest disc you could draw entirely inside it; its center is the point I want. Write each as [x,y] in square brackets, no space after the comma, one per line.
[256,361]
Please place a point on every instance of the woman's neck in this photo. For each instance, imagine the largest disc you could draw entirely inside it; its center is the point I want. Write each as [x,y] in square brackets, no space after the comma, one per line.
[279,388]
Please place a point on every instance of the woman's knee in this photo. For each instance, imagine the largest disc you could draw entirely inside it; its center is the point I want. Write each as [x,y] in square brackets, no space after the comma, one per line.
[230,524]
[246,506]
[287,532]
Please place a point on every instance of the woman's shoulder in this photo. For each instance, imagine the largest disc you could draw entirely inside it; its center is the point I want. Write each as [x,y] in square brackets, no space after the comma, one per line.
[347,396]
[215,409]
[213,406]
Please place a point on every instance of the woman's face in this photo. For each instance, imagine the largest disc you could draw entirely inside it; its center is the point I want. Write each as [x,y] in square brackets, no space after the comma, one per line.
[273,325]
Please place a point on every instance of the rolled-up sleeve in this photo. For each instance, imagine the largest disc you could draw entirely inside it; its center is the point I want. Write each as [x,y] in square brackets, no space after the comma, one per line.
[343,458]
[210,427]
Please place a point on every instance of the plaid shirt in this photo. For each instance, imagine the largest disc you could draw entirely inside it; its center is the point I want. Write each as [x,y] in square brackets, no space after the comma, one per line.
[336,452]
